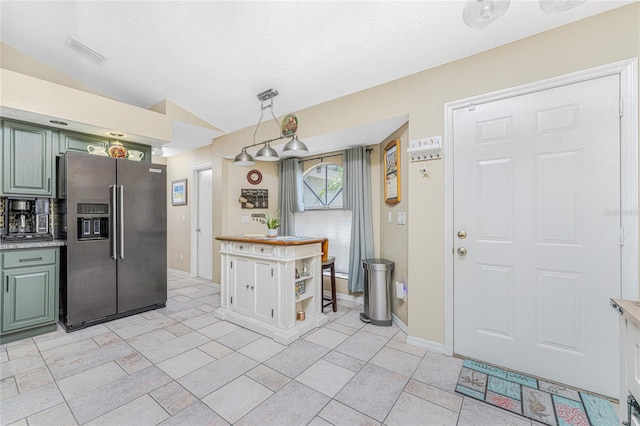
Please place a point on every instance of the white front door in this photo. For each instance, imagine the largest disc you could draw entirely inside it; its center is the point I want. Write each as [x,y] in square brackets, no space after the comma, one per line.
[534,178]
[204,226]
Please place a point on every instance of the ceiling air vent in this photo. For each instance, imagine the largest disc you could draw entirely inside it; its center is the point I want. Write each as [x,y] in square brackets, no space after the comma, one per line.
[86,51]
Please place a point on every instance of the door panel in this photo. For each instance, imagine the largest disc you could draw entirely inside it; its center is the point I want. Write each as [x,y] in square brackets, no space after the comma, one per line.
[533,177]
[29,300]
[204,227]
[142,271]
[242,276]
[91,271]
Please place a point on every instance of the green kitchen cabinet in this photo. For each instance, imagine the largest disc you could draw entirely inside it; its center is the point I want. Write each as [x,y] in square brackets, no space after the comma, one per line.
[27,159]
[30,292]
[71,141]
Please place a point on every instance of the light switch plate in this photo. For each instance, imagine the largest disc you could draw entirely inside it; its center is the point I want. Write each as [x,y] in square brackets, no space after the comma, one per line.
[244,219]
[389,217]
[401,218]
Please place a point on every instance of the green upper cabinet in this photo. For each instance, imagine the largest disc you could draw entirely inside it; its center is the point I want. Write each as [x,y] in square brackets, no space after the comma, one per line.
[27,159]
[70,141]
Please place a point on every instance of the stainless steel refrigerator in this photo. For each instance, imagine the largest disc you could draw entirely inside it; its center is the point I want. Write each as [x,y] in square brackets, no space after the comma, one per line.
[114,213]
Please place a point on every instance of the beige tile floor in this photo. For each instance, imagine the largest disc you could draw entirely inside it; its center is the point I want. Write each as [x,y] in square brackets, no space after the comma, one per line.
[181,366]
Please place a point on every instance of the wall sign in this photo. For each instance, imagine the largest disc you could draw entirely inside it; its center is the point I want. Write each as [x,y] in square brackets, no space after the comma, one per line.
[254,198]
[392,172]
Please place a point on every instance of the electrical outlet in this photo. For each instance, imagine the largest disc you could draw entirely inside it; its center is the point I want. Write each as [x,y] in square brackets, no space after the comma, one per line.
[181,256]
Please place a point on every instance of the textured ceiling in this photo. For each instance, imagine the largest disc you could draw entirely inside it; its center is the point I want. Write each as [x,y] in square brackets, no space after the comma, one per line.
[213,57]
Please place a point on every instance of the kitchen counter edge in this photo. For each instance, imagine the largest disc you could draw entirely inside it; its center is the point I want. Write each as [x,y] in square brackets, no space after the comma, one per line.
[31,244]
[278,241]
[630,309]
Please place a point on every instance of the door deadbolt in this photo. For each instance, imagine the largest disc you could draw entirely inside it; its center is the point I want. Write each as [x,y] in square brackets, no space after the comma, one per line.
[462,251]
[462,235]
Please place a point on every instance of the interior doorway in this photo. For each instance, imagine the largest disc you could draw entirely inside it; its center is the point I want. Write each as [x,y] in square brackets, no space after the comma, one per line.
[202,222]
[534,176]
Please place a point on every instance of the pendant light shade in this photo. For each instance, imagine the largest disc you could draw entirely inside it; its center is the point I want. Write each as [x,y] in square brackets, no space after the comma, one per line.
[266,153]
[295,147]
[244,159]
[558,6]
[480,13]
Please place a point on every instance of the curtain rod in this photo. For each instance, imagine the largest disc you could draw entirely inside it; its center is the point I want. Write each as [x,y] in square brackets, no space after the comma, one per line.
[368,150]
[322,158]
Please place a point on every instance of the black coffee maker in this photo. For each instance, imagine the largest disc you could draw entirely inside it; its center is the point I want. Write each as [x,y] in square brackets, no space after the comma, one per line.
[26,219]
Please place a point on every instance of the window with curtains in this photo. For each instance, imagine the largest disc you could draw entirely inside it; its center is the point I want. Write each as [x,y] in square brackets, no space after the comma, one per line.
[323,215]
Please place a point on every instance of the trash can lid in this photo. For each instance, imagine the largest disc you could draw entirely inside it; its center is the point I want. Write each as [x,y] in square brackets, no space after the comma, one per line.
[378,264]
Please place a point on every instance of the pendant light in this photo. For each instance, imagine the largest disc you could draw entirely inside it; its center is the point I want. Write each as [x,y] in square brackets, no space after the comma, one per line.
[266,153]
[289,126]
[244,159]
[558,6]
[295,147]
[480,13]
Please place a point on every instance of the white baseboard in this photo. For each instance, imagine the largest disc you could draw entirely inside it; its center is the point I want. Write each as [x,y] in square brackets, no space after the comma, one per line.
[178,272]
[426,344]
[398,322]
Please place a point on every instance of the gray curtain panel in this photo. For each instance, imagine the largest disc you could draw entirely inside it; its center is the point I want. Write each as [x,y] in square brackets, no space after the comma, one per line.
[357,193]
[290,194]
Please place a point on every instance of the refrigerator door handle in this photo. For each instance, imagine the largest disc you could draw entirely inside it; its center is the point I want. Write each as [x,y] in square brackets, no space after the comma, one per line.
[114,246]
[121,221]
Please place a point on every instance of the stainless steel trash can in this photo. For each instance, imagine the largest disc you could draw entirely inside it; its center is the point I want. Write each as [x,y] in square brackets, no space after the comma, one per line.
[377,291]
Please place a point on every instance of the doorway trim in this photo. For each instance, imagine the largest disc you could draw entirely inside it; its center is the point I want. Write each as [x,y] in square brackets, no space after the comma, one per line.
[194,213]
[628,71]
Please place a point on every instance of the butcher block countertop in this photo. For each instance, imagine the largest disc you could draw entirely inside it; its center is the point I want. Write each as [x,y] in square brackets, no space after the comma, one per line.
[630,309]
[278,241]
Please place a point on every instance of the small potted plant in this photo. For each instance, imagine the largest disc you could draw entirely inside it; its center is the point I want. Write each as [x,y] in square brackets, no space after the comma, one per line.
[273,223]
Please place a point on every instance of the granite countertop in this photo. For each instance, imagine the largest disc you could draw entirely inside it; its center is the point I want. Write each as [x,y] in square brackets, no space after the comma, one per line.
[630,309]
[280,241]
[31,244]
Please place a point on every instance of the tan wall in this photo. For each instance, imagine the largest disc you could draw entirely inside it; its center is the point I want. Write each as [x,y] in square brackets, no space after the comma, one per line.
[395,237]
[179,217]
[595,41]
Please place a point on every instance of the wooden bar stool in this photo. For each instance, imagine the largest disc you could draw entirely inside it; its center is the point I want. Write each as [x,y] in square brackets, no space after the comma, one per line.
[330,264]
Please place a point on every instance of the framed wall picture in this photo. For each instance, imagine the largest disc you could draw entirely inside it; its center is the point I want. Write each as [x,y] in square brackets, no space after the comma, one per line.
[179,192]
[392,172]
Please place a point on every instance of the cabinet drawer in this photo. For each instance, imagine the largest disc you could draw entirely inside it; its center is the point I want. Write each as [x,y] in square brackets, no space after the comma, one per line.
[263,250]
[24,258]
[241,248]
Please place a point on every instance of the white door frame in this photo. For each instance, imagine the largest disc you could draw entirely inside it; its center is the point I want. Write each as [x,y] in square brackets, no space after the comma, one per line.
[194,214]
[628,71]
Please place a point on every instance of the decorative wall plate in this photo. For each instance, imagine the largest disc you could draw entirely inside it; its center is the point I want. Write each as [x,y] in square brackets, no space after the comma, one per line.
[254,177]
[289,125]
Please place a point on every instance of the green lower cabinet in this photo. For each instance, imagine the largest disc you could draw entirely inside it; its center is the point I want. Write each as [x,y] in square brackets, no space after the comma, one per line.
[29,293]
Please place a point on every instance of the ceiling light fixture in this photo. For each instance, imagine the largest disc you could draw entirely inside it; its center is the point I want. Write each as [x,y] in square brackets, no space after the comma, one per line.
[557,6]
[288,127]
[480,13]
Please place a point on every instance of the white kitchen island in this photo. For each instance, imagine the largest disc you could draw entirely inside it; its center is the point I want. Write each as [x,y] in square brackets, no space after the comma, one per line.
[629,358]
[272,286]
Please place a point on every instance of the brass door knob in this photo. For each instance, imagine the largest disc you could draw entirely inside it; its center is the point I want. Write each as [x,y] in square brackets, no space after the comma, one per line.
[462,251]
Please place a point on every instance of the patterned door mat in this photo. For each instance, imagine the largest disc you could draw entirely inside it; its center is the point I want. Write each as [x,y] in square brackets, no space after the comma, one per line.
[539,400]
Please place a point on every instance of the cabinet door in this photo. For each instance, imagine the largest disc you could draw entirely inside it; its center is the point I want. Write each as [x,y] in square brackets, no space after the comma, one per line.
[265,291]
[240,282]
[79,142]
[27,159]
[28,297]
